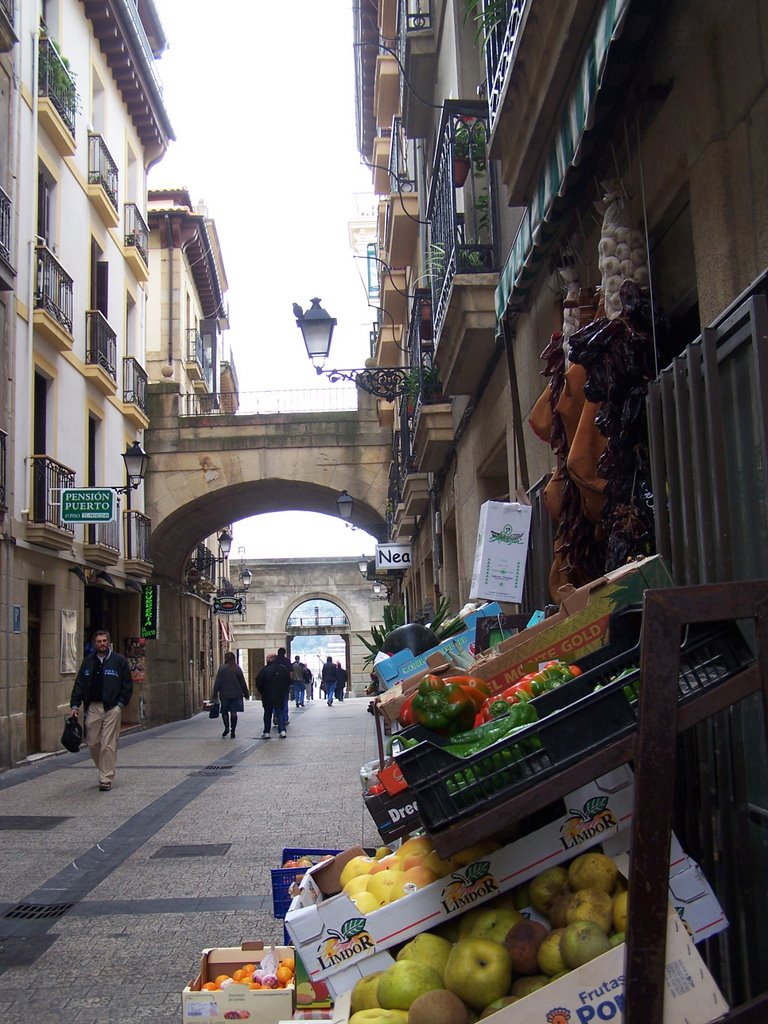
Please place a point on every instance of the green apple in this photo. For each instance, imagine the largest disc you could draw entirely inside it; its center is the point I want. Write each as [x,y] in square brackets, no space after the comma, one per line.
[478,972]
[405,981]
[363,995]
[581,942]
[498,1004]
[377,1015]
[494,923]
[546,887]
[427,948]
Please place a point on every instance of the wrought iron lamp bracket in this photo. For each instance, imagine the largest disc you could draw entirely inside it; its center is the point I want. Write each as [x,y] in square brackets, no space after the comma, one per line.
[385,382]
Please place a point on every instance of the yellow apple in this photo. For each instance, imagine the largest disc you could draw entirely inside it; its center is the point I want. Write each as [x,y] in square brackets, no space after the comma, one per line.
[386,864]
[365,903]
[387,886]
[473,853]
[383,851]
[619,912]
[376,1015]
[357,884]
[593,871]
[435,863]
[360,865]
[363,996]
[416,844]
[478,971]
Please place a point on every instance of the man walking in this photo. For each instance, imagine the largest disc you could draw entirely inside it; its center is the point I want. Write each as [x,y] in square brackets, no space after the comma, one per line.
[273,683]
[329,679]
[341,681]
[298,682]
[103,686]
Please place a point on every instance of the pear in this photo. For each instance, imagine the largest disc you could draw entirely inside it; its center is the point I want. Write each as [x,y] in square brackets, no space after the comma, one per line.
[590,905]
[581,942]
[363,996]
[592,871]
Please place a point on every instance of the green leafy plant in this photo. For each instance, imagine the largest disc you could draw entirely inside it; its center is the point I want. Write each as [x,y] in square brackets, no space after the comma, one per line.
[487,15]
[469,142]
[393,616]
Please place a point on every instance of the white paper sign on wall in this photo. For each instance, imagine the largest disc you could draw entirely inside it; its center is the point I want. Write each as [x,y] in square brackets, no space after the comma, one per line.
[502,551]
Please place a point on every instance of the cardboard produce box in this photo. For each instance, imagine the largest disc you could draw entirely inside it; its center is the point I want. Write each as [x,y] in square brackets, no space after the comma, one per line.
[395,815]
[456,650]
[595,992]
[236,1002]
[578,628]
[339,944]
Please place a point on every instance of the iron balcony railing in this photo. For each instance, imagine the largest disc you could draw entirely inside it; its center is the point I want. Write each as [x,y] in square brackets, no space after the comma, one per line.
[48,478]
[138,532]
[317,620]
[461,211]
[5,226]
[102,169]
[196,351]
[100,343]
[400,179]
[136,231]
[412,16]
[202,565]
[501,23]
[134,383]
[55,82]
[53,288]
[394,491]
[3,470]
[335,398]
[7,6]
[106,535]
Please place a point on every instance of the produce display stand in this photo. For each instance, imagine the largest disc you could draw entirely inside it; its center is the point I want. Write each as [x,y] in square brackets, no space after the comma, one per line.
[652,749]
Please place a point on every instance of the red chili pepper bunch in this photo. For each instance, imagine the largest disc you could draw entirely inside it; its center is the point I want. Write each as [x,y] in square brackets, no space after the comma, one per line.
[553,674]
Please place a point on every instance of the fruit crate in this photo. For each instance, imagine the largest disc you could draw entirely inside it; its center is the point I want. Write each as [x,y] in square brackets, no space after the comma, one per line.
[284,878]
[598,707]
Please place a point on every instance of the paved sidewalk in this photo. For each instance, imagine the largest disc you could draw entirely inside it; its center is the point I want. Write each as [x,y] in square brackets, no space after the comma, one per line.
[118,892]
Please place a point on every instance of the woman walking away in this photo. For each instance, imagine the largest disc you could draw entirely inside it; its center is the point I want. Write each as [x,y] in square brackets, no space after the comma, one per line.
[230,687]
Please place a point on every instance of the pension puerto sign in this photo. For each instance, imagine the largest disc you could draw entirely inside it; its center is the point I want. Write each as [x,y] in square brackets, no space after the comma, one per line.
[228,606]
[393,557]
[88,505]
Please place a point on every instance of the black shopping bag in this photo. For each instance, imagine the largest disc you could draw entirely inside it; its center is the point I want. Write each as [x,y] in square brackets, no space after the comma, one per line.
[213,710]
[72,736]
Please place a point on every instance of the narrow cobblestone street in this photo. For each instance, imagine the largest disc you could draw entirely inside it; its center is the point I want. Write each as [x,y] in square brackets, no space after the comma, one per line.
[108,898]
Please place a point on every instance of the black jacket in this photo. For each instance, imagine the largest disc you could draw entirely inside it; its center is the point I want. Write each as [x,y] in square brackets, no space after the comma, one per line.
[117,685]
[273,683]
[230,683]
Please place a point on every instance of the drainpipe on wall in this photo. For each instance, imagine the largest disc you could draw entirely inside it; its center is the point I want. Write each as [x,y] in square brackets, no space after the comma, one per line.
[169,237]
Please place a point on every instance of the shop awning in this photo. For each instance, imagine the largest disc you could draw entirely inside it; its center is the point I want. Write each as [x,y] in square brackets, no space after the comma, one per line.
[540,218]
[225,631]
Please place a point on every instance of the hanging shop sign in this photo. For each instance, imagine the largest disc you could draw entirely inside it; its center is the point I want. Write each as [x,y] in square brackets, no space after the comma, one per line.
[150,611]
[88,505]
[228,606]
[393,557]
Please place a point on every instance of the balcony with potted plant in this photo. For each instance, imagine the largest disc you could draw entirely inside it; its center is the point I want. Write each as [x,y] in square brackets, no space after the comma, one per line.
[57,97]
[462,225]
[432,414]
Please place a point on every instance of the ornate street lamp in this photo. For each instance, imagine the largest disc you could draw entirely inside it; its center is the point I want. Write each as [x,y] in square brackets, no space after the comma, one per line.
[344,504]
[136,461]
[225,543]
[385,382]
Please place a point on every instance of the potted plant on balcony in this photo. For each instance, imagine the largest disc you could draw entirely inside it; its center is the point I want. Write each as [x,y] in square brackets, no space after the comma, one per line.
[468,149]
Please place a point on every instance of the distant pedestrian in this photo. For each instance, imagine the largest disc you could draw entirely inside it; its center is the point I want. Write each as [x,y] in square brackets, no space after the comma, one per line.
[298,684]
[309,683]
[329,680]
[230,687]
[341,681]
[282,657]
[103,686]
[273,683]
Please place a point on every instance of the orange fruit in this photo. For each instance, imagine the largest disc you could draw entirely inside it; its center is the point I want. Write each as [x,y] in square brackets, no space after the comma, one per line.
[222,977]
[250,968]
[284,974]
[209,986]
[255,985]
[289,962]
[241,974]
